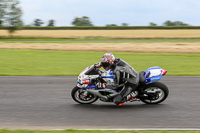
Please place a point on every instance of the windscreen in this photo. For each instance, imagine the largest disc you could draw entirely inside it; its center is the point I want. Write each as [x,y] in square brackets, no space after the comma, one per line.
[91,71]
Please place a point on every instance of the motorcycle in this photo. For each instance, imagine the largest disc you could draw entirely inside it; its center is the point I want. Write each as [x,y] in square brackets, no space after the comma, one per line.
[149,90]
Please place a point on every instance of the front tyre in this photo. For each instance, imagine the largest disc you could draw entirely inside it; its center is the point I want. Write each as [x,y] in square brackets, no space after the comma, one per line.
[77,95]
[159,90]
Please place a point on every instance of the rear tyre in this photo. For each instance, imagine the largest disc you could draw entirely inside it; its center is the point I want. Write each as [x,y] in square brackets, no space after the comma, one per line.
[77,95]
[157,88]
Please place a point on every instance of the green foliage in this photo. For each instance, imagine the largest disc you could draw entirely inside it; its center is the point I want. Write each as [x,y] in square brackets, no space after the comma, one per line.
[38,22]
[13,15]
[84,21]
[152,24]
[10,15]
[176,23]
[41,62]
[51,22]
[124,24]
[3,5]
[111,25]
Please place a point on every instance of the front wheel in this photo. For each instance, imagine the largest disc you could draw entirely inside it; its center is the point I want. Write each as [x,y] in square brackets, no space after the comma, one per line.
[77,95]
[158,93]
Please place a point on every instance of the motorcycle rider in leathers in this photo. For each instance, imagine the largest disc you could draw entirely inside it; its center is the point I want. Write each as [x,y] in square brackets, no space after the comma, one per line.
[123,74]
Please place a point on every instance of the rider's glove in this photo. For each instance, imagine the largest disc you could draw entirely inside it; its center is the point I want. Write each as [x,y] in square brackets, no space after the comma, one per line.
[97,66]
[101,85]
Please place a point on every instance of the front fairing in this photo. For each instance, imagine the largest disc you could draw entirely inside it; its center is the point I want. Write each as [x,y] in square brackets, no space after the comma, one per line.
[83,79]
[89,73]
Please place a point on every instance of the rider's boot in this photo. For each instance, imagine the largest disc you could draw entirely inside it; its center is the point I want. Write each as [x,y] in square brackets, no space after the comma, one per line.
[119,100]
[132,95]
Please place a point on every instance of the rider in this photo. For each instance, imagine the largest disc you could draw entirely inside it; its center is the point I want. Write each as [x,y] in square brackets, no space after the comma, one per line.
[123,73]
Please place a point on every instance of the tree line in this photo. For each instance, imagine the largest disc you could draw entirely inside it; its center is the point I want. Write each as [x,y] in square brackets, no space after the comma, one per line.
[11,13]
[85,21]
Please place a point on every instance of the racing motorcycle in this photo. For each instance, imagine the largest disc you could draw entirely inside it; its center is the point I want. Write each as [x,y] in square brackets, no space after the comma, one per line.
[149,90]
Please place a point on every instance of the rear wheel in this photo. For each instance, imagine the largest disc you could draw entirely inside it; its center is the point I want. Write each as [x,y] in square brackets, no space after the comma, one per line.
[157,92]
[77,95]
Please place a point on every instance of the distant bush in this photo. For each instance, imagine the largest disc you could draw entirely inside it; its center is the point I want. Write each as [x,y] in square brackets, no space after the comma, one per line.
[1,27]
[106,27]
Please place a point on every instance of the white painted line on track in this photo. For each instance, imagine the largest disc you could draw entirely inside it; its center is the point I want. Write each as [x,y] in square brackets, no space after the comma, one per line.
[142,129]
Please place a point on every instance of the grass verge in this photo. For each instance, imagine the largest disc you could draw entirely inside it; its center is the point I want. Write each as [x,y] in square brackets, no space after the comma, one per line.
[96,40]
[45,63]
[91,131]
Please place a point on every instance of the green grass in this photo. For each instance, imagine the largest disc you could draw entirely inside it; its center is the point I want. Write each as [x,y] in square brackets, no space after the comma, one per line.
[91,131]
[44,62]
[93,40]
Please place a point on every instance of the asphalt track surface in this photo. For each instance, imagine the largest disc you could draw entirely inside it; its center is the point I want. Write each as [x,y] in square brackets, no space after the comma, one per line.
[44,102]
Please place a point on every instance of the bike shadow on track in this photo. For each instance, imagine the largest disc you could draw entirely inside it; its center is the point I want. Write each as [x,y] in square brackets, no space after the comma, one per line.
[112,106]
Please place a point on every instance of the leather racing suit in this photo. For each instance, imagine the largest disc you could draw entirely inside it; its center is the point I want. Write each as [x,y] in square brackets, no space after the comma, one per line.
[123,74]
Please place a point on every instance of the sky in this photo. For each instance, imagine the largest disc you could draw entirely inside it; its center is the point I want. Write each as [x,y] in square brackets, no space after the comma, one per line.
[103,12]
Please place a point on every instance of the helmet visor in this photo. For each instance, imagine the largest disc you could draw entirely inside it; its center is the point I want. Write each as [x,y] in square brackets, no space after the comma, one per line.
[105,65]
